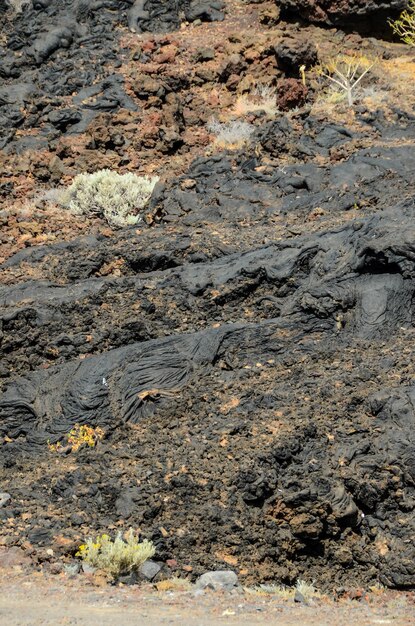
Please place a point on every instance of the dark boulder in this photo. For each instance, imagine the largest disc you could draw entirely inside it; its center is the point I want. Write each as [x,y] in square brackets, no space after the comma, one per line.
[340,12]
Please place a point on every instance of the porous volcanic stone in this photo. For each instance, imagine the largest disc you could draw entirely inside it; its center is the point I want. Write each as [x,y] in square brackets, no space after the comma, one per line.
[339,12]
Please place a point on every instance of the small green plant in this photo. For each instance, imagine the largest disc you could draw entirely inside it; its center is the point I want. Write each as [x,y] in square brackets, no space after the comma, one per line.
[404,26]
[116,557]
[346,72]
[118,198]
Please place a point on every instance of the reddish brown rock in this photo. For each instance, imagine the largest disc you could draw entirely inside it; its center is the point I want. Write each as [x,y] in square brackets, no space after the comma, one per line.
[291,93]
[12,557]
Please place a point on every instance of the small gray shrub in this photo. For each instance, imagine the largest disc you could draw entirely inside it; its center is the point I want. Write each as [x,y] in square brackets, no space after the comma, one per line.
[231,133]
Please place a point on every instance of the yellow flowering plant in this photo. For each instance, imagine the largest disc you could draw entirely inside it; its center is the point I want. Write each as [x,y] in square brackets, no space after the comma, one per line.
[80,435]
[84,435]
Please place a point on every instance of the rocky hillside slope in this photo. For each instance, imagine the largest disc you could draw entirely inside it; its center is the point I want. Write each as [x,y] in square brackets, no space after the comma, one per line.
[247,348]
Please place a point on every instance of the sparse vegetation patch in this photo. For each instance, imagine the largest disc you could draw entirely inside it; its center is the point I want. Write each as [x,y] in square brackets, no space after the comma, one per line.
[262,98]
[80,435]
[346,73]
[307,590]
[116,557]
[233,134]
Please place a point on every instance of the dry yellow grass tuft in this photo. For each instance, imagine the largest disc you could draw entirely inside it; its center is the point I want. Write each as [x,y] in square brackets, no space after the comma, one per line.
[263,98]
[174,584]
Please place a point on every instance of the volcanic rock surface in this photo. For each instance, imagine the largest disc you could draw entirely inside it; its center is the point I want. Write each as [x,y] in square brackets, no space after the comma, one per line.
[342,12]
[247,348]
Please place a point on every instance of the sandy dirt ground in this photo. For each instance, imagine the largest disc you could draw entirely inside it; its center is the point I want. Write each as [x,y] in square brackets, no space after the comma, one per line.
[37,601]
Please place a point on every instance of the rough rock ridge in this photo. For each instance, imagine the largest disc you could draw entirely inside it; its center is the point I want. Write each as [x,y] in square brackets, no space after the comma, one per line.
[247,349]
[342,12]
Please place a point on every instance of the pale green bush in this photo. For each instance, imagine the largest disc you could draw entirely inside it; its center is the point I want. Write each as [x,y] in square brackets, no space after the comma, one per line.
[118,198]
[116,557]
